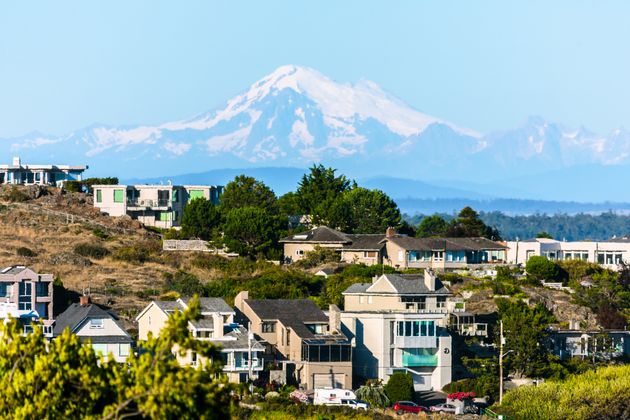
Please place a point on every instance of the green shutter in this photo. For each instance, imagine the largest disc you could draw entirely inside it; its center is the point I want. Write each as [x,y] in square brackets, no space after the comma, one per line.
[99,196]
[192,194]
[175,195]
[118,196]
[165,216]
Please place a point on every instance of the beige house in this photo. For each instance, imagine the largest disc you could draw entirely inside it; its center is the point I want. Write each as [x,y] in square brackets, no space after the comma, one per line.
[299,334]
[441,253]
[28,290]
[159,206]
[361,248]
[398,323]
[94,325]
[240,351]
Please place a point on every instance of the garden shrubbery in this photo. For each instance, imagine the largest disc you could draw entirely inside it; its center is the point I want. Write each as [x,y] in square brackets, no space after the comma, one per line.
[25,252]
[90,250]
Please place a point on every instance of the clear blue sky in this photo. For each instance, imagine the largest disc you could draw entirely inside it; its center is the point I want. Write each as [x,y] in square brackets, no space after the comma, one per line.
[480,64]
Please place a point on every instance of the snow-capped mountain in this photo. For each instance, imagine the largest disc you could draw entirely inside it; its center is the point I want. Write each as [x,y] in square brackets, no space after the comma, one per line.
[296,116]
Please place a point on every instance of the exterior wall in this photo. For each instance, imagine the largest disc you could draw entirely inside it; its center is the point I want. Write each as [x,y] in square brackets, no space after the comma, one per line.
[374,302]
[109,328]
[120,351]
[376,355]
[291,249]
[519,251]
[32,278]
[107,204]
[359,257]
[152,321]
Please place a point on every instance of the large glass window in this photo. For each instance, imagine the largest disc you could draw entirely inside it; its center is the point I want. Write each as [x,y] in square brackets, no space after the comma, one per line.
[326,353]
[268,327]
[5,289]
[25,296]
[41,288]
[99,196]
[192,194]
[416,329]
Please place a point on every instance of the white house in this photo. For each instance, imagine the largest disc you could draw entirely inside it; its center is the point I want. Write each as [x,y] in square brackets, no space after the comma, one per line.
[398,323]
[19,173]
[608,253]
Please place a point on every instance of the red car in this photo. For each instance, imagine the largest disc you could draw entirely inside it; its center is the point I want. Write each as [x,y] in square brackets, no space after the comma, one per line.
[402,407]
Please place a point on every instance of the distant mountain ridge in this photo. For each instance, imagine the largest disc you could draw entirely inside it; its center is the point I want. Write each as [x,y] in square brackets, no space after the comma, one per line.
[296,116]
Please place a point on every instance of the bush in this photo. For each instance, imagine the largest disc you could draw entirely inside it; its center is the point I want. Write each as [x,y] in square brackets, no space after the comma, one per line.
[88,250]
[16,195]
[132,254]
[399,387]
[185,284]
[100,233]
[318,256]
[25,252]
[73,186]
[540,268]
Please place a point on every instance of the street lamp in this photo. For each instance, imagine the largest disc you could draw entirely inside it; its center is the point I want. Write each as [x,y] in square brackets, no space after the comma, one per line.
[501,356]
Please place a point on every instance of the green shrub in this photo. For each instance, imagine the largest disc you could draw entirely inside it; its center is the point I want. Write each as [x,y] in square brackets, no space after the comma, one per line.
[25,252]
[504,288]
[600,394]
[399,387]
[131,254]
[185,284]
[89,250]
[100,233]
[16,195]
[73,186]
[540,268]
[318,256]
[148,293]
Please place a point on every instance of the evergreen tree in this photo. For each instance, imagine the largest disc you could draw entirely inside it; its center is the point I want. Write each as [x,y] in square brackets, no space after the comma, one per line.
[245,191]
[469,225]
[370,211]
[432,226]
[200,219]
[318,192]
[251,231]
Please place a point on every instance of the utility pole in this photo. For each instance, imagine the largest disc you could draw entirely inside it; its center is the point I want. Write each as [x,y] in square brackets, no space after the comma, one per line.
[249,354]
[501,362]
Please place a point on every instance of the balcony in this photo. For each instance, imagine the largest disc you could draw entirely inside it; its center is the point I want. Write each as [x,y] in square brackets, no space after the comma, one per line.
[426,342]
[415,360]
[242,364]
[425,308]
[146,203]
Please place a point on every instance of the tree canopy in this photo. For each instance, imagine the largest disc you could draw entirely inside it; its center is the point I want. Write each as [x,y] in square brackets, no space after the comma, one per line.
[66,379]
[370,211]
[201,219]
[251,230]
[432,226]
[318,190]
[245,191]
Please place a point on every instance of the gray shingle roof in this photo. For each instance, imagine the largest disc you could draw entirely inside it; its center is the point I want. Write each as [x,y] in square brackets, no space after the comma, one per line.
[211,304]
[365,242]
[76,314]
[293,313]
[447,244]
[404,284]
[240,342]
[321,234]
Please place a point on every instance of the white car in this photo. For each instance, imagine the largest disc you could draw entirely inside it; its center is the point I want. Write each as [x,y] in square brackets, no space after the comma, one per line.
[356,404]
[444,408]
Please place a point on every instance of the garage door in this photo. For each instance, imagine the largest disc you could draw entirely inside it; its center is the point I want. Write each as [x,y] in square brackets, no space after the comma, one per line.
[328,380]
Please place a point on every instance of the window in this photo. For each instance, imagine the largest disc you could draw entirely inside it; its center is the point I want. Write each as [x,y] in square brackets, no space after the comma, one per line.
[370,254]
[123,349]
[99,196]
[438,256]
[299,252]
[5,289]
[96,323]
[25,296]
[175,195]
[192,194]
[165,216]
[268,327]
[118,196]
[316,328]
[41,288]
[193,358]
[416,329]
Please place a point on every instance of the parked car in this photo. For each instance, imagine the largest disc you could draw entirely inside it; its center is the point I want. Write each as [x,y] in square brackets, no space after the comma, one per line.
[356,404]
[402,407]
[443,408]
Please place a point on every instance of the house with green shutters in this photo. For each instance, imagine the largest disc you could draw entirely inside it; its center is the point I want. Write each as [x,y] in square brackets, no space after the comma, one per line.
[159,206]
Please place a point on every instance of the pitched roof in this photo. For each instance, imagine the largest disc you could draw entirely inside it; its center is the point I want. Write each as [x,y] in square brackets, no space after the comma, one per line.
[237,339]
[403,284]
[321,234]
[76,314]
[446,244]
[212,304]
[365,242]
[293,313]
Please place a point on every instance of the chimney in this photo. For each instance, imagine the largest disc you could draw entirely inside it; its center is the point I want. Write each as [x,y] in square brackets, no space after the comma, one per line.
[429,279]
[84,300]
[334,319]
[239,300]
[16,161]
[217,323]
[390,232]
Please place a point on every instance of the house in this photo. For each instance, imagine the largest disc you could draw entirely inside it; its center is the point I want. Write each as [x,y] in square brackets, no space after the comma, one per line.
[28,290]
[399,323]
[610,253]
[97,326]
[302,338]
[26,317]
[605,344]
[56,175]
[441,253]
[159,206]
[396,250]
[241,353]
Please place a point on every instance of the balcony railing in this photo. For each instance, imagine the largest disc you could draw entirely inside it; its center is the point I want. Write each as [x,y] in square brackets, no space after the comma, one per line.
[426,342]
[425,308]
[411,360]
[244,364]
[146,202]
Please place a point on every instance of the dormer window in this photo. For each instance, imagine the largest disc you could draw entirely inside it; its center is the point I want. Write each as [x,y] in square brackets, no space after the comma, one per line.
[96,323]
[317,328]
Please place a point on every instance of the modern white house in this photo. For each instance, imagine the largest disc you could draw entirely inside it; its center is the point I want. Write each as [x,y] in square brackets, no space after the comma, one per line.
[605,344]
[609,253]
[399,323]
[159,206]
[96,326]
[241,352]
[20,173]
